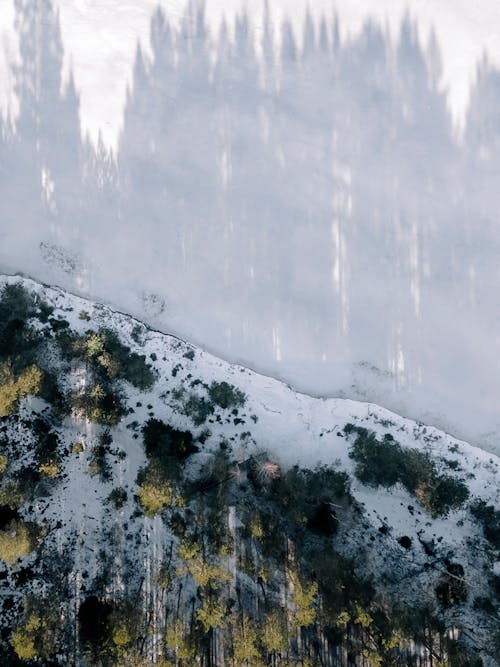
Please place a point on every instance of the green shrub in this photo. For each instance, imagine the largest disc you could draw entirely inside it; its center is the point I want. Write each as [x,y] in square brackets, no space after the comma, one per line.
[15,542]
[489,518]
[24,637]
[17,338]
[118,497]
[98,464]
[211,614]
[165,443]
[304,494]
[198,408]
[385,463]
[108,357]
[13,388]
[153,497]
[49,469]
[100,404]
[225,395]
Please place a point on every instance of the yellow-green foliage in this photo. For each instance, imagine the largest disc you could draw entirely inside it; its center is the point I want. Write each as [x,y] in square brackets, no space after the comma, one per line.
[176,641]
[371,658]
[273,636]
[12,388]
[14,542]
[154,497]
[188,550]
[3,463]
[245,651]
[392,642]
[11,494]
[342,620]
[256,530]
[49,470]
[363,618]
[203,572]
[303,598]
[211,614]
[121,636]
[23,638]
[77,448]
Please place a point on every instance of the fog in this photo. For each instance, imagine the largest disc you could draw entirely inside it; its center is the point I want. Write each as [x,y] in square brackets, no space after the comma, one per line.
[309,212]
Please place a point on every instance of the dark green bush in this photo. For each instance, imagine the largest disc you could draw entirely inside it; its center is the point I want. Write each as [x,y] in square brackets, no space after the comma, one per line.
[308,495]
[18,339]
[198,408]
[108,357]
[163,442]
[99,403]
[489,518]
[118,497]
[226,395]
[385,463]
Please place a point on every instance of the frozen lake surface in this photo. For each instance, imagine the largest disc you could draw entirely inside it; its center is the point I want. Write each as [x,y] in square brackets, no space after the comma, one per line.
[307,200]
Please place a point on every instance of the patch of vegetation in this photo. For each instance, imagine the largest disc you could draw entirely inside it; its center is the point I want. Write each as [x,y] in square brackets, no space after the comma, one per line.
[118,497]
[99,464]
[198,408]
[452,589]
[153,497]
[15,542]
[100,403]
[489,519]
[310,496]
[49,470]
[165,443]
[17,336]
[15,387]
[385,463]
[226,395]
[108,357]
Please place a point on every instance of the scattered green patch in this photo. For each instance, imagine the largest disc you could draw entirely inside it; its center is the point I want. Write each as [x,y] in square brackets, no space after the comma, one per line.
[385,463]
[165,443]
[100,403]
[226,395]
[15,542]
[99,463]
[198,408]
[118,497]
[108,357]
[49,469]
[15,387]
[489,518]
[154,497]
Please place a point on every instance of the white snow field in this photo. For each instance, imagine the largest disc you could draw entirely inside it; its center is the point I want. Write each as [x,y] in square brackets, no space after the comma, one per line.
[315,198]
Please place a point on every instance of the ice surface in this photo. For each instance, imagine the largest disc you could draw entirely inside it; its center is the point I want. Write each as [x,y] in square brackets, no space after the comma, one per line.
[308,212]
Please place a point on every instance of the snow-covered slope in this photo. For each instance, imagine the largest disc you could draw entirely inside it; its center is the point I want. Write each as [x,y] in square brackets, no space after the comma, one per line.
[293,429]
[308,212]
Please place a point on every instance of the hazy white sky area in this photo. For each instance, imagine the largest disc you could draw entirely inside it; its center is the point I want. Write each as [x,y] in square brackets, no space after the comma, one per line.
[100,39]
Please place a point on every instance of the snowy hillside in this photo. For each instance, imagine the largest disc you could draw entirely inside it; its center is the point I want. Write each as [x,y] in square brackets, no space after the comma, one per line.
[149,486]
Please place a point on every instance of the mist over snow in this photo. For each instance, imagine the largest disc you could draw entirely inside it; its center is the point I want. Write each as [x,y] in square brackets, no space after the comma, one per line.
[313,198]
